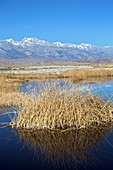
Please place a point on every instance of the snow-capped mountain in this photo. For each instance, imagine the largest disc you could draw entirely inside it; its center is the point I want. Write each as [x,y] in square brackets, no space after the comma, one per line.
[34,48]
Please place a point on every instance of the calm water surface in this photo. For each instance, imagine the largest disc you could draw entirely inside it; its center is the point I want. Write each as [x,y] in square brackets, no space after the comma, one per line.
[82,150]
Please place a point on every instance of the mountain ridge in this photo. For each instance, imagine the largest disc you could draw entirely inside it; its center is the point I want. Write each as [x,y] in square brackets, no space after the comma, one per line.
[41,50]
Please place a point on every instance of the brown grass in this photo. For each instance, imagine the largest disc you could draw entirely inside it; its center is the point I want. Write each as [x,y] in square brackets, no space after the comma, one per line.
[11,82]
[54,107]
[86,74]
[57,108]
[73,74]
[23,77]
[14,99]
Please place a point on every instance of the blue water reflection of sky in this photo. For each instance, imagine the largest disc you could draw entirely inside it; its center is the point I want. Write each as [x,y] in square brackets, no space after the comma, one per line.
[103,89]
[15,154]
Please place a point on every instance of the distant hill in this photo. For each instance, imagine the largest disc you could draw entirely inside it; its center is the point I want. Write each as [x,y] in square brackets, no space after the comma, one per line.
[35,50]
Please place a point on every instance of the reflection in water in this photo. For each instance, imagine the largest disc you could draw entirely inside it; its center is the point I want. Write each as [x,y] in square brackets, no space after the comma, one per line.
[71,147]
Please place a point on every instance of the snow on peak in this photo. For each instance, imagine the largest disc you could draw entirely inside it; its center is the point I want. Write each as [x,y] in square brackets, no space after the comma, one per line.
[107,46]
[26,39]
[10,40]
[27,42]
[81,46]
[59,44]
[85,46]
[33,41]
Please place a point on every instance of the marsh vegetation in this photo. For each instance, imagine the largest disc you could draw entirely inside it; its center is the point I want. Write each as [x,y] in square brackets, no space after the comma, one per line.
[57,107]
[63,120]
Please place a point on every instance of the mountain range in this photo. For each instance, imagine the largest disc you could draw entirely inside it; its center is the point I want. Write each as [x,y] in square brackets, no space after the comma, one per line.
[35,50]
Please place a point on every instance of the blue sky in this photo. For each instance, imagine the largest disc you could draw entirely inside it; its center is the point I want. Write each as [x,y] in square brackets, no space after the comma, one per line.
[74,21]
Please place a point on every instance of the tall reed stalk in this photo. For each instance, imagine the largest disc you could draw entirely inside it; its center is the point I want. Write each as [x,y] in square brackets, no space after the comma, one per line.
[57,107]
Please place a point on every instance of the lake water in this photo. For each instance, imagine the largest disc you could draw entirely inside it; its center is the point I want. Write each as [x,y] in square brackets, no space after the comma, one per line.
[42,150]
[104,89]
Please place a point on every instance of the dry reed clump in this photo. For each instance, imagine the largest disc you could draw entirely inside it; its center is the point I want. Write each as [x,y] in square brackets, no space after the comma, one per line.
[61,108]
[9,92]
[14,99]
